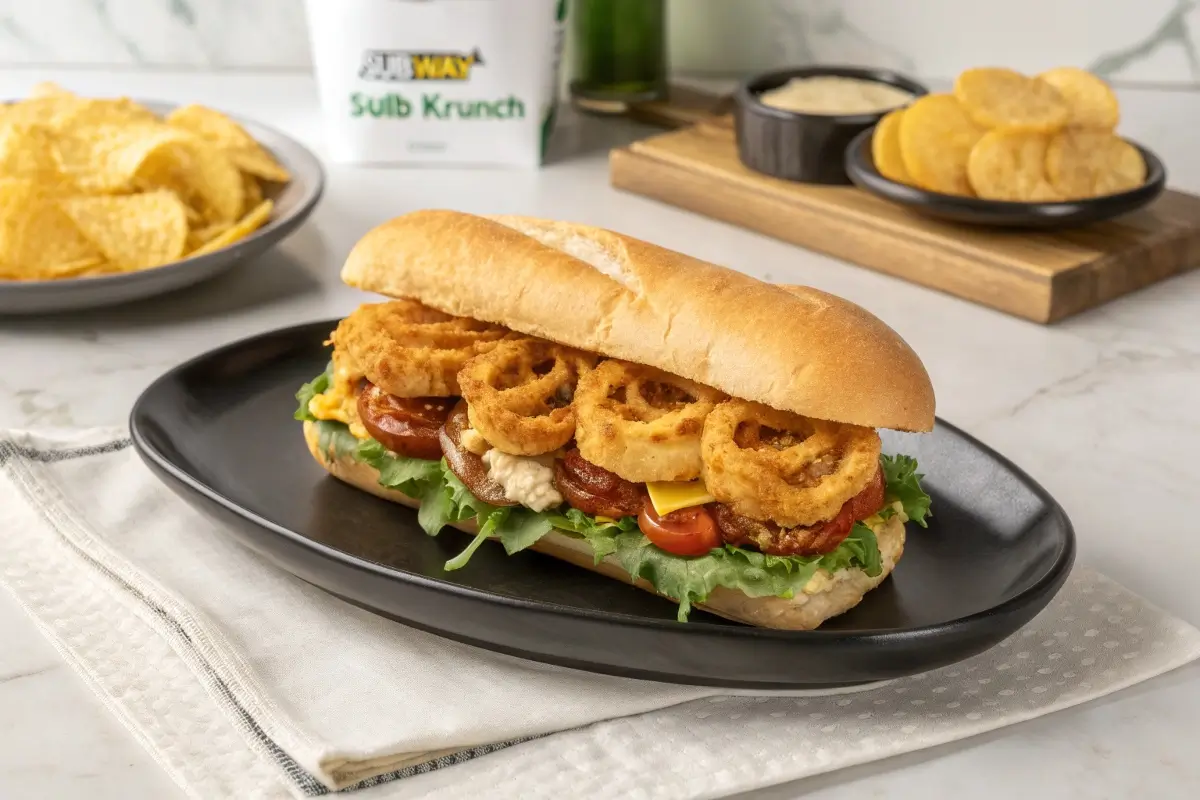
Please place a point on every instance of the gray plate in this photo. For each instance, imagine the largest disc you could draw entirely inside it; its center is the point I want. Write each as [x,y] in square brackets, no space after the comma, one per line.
[293,203]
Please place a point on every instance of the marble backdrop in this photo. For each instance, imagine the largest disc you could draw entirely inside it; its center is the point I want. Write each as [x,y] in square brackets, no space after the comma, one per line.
[1133,41]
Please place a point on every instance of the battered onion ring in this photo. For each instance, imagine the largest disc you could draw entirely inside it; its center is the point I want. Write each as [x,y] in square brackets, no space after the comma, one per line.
[519,395]
[410,350]
[780,467]
[642,423]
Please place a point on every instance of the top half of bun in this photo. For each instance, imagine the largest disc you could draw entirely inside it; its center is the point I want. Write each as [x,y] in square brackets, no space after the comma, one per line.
[795,348]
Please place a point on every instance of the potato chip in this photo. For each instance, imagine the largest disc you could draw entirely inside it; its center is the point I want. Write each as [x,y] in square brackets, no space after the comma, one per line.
[27,151]
[251,192]
[133,231]
[1004,98]
[46,110]
[1091,102]
[49,89]
[1089,163]
[91,186]
[261,164]
[58,109]
[1010,165]
[219,130]
[92,265]
[199,173]
[936,137]
[885,148]
[1045,193]
[193,214]
[106,158]
[91,112]
[244,227]
[35,235]
[198,237]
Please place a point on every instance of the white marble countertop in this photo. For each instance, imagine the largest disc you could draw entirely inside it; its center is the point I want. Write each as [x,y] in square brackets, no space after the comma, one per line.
[1103,409]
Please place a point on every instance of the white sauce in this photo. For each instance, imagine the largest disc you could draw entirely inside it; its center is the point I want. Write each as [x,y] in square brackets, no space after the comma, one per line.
[527,481]
[831,94]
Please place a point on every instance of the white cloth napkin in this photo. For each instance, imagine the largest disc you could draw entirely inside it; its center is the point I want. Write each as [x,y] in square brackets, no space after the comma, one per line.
[243,681]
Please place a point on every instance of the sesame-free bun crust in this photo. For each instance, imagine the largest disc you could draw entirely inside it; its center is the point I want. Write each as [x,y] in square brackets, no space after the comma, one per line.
[803,612]
[795,348]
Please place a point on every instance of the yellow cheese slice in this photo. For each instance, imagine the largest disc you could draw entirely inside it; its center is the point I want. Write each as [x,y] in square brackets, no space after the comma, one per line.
[668,496]
[339,404]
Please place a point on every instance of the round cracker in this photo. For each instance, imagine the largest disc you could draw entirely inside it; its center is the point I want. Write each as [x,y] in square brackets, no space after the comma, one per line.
[1090,163]
[1011,165]
[1004,98]
[1091,101]
[885,148]
[936,137]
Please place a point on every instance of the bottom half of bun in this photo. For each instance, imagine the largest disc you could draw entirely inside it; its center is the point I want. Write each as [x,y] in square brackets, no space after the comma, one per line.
[841,592]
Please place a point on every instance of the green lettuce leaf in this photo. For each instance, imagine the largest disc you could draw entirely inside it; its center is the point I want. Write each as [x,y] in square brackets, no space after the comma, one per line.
[691,580]
[334,439]
[415,477]
[600,535]
[904,484]
[462,501]
[310,390]
[522,528]
[517,528]
[434,513]
[412,476]
[487,526]
[859,549]
[448,501]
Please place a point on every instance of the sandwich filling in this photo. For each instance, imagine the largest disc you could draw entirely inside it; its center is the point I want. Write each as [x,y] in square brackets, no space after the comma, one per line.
[683,486]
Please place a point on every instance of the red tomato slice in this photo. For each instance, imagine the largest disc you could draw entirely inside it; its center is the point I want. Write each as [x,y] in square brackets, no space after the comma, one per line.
[870,500]
[686,532]
[594,490]
[408,426]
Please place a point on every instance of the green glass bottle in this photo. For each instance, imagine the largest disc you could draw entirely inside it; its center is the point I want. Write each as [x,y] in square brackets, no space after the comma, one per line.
[620,53]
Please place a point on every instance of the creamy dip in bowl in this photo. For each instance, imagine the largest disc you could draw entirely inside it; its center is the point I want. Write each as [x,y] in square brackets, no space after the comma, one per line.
[835,95]
[796,123]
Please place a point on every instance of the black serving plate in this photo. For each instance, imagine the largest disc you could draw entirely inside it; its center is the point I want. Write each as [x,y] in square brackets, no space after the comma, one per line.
[860,166]
[219,431]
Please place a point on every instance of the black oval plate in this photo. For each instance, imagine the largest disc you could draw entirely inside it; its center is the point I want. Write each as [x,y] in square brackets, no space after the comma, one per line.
[860,167]
[219,431]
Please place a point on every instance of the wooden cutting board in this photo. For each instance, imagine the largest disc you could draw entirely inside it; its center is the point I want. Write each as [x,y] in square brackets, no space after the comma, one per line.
[1041,276]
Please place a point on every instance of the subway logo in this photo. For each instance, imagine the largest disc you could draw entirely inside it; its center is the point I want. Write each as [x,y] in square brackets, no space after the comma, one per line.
[416,65]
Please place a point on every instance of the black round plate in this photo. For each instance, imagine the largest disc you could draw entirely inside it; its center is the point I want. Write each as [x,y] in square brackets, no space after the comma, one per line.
[860,167]
[219,431]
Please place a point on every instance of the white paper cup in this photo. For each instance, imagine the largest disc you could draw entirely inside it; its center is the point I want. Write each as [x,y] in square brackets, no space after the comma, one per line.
[459,82]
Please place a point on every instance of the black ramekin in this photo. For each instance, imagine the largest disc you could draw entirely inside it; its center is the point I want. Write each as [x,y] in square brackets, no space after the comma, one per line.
[804,147]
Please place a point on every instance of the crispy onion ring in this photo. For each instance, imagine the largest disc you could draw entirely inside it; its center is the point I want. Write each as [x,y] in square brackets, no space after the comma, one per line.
[411,350]
[775,466]
[811,540]
[642,423]
[519,395]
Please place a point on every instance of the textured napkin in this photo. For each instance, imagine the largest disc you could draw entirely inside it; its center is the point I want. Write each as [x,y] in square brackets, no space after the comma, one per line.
[245,682]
